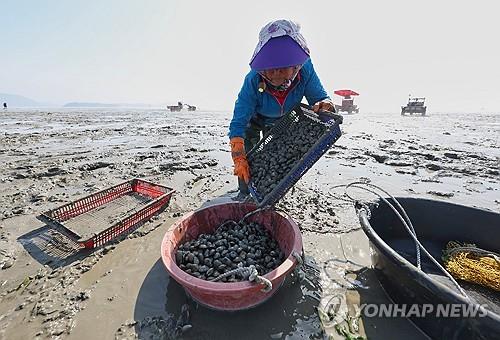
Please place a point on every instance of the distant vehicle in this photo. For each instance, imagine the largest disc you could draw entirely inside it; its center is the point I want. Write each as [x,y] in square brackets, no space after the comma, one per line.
[5,106]
[180,106]
[415,105]
[347,102]
[176,108]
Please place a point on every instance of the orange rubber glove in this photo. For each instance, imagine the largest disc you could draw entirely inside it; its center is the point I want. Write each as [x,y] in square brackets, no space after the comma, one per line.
[241,168]
[324,105]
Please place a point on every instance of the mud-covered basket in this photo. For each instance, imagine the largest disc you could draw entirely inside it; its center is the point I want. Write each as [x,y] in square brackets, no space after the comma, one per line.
[332,132]
[98,218]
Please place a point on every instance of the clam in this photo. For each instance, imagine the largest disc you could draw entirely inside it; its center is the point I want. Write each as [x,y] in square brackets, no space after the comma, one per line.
[229,247]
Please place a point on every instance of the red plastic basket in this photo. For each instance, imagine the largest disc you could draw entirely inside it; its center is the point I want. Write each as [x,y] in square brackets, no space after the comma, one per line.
[235,295]
[132,202]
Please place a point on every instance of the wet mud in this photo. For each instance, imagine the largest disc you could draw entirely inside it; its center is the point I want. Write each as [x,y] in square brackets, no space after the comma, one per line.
[50,289]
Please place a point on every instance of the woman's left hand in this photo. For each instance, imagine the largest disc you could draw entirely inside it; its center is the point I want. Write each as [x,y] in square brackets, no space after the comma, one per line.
[324,105]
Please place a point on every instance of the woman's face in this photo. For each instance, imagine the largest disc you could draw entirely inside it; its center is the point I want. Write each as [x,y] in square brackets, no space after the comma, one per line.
[278,76]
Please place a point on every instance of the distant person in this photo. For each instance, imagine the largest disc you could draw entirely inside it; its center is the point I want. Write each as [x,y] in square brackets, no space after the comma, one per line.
[281,75]
[5,106]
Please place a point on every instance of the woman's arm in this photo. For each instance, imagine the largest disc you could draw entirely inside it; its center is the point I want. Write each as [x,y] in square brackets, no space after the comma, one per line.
[245,105]
[314,91]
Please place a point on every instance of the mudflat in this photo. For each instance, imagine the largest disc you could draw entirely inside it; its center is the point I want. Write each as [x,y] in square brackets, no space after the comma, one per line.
[49,289]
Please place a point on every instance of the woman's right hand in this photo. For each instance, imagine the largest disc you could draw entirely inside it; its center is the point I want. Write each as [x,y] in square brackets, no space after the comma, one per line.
[241,167]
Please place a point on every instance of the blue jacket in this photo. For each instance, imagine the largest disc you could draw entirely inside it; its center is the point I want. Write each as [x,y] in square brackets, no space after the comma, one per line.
[251,102]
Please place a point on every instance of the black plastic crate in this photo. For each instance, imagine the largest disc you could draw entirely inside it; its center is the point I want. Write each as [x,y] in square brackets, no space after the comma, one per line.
[329,121]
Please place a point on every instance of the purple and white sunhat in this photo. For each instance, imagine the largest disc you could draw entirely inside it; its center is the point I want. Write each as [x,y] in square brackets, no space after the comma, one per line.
[280,45]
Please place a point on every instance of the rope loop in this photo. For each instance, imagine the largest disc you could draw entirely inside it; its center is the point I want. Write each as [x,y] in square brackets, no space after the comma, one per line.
[248,273]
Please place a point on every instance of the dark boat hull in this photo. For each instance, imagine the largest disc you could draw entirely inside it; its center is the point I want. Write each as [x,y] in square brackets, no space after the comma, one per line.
[436,223]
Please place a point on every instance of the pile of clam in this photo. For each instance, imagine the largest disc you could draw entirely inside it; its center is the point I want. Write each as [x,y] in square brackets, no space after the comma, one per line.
[272,163]
[232,245]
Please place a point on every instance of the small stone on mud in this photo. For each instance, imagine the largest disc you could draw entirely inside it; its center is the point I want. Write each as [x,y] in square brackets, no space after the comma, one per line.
[7,264]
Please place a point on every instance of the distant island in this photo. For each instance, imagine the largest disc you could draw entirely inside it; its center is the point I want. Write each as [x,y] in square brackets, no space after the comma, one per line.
[78,104]
[14,100]
[90,104]
[17,101]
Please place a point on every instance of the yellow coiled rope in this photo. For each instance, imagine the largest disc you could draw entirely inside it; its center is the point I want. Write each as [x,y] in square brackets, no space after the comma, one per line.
[469,263]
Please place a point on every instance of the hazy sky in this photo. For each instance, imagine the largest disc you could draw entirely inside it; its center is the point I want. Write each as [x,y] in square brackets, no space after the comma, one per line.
[161,51]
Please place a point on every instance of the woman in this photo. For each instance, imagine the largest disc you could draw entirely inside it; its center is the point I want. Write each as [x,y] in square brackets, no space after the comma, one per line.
[281,75]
